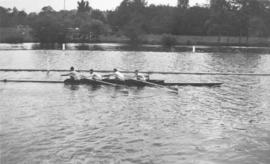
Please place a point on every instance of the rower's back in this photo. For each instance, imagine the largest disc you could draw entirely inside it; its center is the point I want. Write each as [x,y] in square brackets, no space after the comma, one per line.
[140,76]
[95,75]
[118,75]
[73,74]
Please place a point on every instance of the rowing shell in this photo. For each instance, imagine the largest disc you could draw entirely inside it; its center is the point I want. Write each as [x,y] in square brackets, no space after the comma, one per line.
[131,82]
[117,82]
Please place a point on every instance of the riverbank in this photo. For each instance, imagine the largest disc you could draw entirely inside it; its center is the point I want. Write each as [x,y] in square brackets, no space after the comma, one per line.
[24,35]
[195,40]
[128,47]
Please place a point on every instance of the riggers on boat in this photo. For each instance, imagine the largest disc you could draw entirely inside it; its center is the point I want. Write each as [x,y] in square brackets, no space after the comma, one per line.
[128,82]
[131,82]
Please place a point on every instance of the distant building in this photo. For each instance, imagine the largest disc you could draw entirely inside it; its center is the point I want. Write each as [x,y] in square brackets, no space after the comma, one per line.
[183,3]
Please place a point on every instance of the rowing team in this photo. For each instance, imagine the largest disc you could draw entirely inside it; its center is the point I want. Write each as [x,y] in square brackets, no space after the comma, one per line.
[96,76]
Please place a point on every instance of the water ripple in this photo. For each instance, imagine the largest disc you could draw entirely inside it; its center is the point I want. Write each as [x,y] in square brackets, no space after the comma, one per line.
[45,123]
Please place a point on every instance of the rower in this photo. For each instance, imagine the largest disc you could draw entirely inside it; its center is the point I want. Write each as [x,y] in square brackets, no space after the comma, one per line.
[117,75]
[72,74]
[94,75]
[140,76]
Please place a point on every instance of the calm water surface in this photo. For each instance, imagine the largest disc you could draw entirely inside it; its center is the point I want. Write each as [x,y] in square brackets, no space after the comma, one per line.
[56,123]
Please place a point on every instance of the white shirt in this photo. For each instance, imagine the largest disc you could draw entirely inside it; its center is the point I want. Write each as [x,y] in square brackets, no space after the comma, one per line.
[96,76]
[140,76]
[119,75]
[74,75]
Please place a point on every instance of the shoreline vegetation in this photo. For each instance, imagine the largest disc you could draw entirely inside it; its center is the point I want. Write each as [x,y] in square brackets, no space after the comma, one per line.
[13,35]
[129,47]
[134,22]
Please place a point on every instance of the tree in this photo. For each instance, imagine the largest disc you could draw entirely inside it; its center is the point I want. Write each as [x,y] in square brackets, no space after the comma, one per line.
[158,19]
[97,28]
[183,4]
[133,18]
[47,9]
[4,17]
[218,22]
[91,31]
[129,17]
[48,27]
[83,6]
[257,27]
[133,31]
[249,12]
[18,17]
[98,15]
[168,41]
[187,22]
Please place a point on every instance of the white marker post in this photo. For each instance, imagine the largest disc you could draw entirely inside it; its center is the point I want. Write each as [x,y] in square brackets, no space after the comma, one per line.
[194,49]
[64,46]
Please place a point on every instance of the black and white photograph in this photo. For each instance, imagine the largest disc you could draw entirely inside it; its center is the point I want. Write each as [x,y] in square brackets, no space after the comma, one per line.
[134,81]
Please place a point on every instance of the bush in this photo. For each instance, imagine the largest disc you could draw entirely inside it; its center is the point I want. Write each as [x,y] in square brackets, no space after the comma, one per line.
[91,31]
[49,29]
[14,39]
[133,32]
[168,41]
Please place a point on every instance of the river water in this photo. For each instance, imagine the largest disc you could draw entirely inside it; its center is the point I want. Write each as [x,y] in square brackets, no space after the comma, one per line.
[57,123]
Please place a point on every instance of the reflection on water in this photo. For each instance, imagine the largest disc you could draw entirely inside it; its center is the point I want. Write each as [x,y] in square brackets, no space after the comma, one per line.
[57,123]
[130,47]
[72,87]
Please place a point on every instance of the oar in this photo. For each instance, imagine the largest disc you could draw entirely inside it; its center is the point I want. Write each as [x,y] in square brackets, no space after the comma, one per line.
[103,82]
[175,90]
[30,81]
[108,83]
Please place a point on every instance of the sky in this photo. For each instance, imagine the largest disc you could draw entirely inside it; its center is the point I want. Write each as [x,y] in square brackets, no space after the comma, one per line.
[36,5]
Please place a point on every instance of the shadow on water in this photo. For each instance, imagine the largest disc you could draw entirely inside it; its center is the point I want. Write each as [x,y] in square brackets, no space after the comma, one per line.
[89,47]
[47,46]
[92,88]
[72,87]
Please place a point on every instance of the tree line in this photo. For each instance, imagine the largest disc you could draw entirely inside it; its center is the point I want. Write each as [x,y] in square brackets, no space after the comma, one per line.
[133,18]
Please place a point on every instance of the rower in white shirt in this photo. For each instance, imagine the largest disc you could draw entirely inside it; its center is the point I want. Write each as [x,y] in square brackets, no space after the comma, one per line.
[94,75]
[140,76]
[117,75]
[72,74]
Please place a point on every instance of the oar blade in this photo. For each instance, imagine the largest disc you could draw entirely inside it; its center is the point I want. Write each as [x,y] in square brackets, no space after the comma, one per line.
[174,90]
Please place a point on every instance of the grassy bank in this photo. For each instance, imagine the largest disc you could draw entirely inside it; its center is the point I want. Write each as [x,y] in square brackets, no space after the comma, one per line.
[212,40]
[19,35]
[196,40]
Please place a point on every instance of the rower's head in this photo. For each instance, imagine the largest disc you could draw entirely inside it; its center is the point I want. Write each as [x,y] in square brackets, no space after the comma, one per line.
[136,72]
[115,70]
[71,68]
[91,71]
